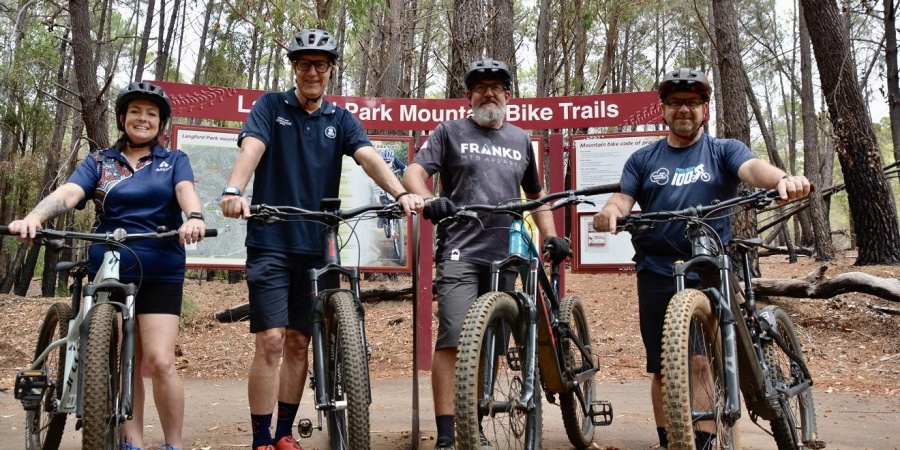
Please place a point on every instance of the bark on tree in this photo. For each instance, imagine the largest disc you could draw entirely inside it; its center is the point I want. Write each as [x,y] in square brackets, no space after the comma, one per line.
[93,105]
[817,214]
[145,40]
[893,83]
[871,204]
[467,40]
[501,24]
[817,285]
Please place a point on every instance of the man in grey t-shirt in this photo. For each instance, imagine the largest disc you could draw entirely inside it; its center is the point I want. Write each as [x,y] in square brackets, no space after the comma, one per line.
[480,160]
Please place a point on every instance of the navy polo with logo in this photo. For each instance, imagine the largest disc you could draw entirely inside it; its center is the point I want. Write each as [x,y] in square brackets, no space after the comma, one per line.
[138,200]
[300,167]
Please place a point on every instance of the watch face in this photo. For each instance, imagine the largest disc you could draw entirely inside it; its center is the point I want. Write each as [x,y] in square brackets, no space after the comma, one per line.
[231,190]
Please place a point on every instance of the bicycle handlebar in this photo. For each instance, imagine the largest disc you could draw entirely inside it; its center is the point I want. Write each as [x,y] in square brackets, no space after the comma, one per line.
[263,211]
[756,199]
[568,197]
[119,235]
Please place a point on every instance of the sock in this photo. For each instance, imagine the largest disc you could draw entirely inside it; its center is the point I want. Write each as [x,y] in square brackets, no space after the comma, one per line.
[704,440]
[285,423]
[260,424]
[663,437]
[445,429]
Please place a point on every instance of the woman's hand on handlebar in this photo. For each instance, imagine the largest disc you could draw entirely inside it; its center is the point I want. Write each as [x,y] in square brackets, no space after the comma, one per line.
[25,229]
[191,231]
[234,206]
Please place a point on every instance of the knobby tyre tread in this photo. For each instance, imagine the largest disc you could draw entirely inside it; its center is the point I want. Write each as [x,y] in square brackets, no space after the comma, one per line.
[44,427]
[506,428]
[686,307]
[579,427]
[102,380]
[349,428]
[798,413]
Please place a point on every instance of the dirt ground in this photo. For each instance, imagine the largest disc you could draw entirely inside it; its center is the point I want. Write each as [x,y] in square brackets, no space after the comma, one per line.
[851,347]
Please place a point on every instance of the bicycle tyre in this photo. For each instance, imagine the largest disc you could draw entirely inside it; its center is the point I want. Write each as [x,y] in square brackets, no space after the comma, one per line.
[579,427]
[679,387]
[400,241]
[506,426]
[797,413]
[347,375]
[102,380]
[44,426]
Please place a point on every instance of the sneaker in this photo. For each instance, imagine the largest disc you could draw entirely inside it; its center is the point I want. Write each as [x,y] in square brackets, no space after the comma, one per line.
[168,447]
[128,446]
[287,443]
[444,445]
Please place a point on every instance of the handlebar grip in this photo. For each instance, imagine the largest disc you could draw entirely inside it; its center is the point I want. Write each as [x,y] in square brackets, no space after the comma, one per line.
[601,189]
[211,232]
[4,230]
[254,209]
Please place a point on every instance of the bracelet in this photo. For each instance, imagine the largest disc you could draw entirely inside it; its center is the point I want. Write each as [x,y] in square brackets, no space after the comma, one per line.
[397,198]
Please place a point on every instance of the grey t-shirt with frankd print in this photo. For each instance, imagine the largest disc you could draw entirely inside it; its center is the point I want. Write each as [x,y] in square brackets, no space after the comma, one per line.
[481,166]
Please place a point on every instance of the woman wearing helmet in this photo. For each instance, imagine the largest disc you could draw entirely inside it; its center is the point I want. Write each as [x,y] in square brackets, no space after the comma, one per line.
[686,168]
[138,185]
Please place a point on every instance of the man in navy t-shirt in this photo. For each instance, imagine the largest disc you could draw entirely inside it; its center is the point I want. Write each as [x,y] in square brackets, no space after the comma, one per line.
[687,168]
[293,143]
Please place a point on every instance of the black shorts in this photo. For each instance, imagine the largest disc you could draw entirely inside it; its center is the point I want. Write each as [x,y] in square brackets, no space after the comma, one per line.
[654,293]
[457,284]
[155,298]
[279,289]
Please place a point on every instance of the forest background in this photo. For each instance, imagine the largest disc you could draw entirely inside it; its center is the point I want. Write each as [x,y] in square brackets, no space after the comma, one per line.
[817,97]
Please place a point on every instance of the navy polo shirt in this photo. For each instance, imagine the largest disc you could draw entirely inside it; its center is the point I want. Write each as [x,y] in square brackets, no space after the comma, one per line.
[137,200]
[300,167]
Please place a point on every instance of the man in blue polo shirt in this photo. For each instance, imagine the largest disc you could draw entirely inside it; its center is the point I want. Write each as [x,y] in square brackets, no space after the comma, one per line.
[293,142]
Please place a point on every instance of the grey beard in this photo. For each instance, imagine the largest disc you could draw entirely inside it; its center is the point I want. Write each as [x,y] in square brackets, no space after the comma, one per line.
[489,115]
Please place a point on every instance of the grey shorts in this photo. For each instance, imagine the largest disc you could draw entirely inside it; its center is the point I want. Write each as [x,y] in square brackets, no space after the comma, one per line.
[456,286]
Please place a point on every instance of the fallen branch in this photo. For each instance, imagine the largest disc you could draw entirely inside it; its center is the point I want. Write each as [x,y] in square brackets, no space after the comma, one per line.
[817,285]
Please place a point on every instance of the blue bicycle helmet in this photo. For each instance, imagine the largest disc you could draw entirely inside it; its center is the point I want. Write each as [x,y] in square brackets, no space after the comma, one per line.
[387,155]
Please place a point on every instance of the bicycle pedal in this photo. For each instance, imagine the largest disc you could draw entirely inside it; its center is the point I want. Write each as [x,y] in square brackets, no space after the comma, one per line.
[30,387]
[512,356]
[601,413]
[304,428]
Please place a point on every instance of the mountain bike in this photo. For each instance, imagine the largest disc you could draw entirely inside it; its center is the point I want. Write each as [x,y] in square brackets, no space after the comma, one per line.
[394,230]
[84,359]
[340,375]
[717,345]
[515,344]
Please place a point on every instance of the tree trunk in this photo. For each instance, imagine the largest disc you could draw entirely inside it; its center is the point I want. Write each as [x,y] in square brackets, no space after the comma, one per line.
[145,40]
[93,105]
[503,46]
[544,51]
[817,213]
[871,203]
[159,69]
[467,40]
[893,84]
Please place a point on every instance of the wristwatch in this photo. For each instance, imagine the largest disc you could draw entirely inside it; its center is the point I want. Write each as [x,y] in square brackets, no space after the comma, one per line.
[195,215]
[231,190]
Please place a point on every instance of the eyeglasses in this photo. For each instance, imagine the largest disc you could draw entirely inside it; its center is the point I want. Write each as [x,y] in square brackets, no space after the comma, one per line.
[677,103]
[321,66]
[496,89]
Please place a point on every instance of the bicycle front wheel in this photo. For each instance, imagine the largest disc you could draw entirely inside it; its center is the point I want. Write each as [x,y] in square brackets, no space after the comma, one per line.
[102,381]
[44,426]
[347,376]
[579,426]
[490,379]
[693,373]
[798,413]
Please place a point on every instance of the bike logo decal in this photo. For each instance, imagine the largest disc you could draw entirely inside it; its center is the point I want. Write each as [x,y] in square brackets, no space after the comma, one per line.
[330,132]
[661,176]
[690,175]
[332,250]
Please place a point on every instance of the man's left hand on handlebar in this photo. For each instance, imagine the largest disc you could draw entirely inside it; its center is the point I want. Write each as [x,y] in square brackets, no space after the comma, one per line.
[411,203]
[439,208]
[556,248]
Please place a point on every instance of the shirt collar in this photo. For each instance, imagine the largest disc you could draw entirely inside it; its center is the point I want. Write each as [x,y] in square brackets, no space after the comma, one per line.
[326,108]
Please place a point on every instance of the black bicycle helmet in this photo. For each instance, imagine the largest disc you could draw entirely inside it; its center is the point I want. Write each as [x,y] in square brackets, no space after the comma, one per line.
[487,68]
[313,40]
[140,90]
[685,80]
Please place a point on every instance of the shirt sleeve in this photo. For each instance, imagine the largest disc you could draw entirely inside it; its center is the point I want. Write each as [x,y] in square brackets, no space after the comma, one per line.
[355,136]
[735,154]
[183,170]
[531,179]
[630,181]
[260,121]
[431,155]
[86,176]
